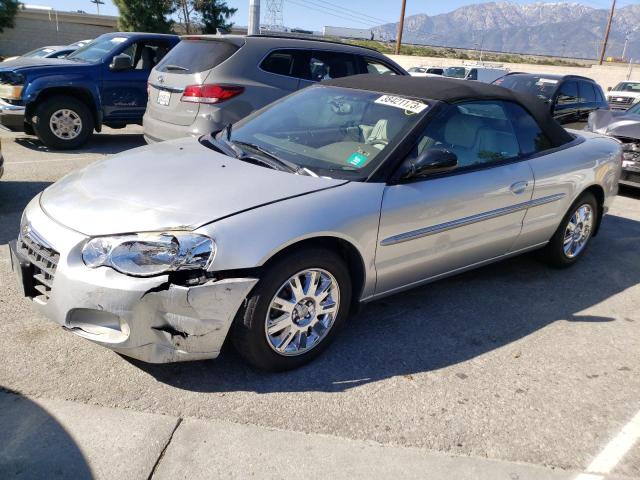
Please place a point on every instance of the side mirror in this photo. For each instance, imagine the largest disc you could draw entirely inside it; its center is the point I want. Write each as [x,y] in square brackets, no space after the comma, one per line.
[608,89]
[121,62]
[430,161]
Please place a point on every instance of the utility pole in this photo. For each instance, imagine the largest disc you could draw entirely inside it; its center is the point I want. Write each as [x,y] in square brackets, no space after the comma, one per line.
[624,49]
[606,33]
[98,3]
[400,27]
[253,27]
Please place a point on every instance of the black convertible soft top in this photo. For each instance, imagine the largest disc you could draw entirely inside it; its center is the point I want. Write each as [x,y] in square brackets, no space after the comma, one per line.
[451,90]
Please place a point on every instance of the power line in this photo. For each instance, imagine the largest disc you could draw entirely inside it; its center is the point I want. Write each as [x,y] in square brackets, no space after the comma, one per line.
[351,19]
[345,9]
[338,13]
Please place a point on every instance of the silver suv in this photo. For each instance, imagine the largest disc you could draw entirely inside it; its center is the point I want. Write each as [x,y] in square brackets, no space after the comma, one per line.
[208,81]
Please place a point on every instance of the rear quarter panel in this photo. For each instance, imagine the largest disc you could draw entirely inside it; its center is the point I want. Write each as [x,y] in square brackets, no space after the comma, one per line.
[593,160]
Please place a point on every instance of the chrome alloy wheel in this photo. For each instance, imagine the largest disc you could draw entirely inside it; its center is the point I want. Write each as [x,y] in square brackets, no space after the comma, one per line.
[578,231]
[302,312]
[65,124]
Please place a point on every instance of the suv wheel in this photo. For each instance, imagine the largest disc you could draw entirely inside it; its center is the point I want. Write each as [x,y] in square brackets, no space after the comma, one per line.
[63,123]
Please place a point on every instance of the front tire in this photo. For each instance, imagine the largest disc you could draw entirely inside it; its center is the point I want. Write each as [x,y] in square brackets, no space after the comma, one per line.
[295,311]
[572,237]
[63,123]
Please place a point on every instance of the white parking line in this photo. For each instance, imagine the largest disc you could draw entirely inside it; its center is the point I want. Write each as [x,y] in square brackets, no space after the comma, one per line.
[613,452]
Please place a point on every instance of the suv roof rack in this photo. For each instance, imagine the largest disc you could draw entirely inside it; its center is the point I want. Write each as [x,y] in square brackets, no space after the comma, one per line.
[310,39]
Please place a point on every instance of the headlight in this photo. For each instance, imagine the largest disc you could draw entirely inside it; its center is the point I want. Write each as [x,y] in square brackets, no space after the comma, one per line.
[147,254]
[11,92]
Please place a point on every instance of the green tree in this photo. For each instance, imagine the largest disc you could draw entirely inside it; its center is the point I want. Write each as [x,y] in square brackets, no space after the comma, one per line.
[210,14]
[214,14]
[145,15]
[8,10]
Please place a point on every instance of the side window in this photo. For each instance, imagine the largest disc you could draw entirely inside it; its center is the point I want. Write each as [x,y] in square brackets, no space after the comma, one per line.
[568,93]
[377,68]
[599,95]
[326,65]
[473,74]
[530,136]
[587,93]
[281,62]
[477,132]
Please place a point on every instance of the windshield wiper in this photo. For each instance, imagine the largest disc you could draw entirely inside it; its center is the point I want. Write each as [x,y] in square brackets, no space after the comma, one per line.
[176,67]
[289,166]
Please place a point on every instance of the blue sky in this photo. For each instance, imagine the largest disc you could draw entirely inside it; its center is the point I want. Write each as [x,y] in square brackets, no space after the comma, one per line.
[314,14]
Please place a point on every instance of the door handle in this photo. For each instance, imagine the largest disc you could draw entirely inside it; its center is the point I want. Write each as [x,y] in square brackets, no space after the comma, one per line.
[519,187]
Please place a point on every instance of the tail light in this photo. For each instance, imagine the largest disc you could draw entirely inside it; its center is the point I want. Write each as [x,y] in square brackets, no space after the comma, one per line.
[210,93]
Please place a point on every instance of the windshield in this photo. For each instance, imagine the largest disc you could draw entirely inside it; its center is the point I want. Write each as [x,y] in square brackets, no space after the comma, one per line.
[627,87]
[97,49]
[635,109]
[455,72]
[335,132]
[39,52]
[540,86]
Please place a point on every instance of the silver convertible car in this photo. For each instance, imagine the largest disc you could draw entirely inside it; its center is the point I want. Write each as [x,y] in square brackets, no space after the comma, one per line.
[274,229]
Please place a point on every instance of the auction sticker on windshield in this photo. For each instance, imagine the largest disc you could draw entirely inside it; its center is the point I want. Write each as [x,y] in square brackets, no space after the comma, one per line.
[413,106]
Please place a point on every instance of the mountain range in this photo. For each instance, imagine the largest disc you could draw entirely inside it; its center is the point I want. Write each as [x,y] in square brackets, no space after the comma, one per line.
[562,29]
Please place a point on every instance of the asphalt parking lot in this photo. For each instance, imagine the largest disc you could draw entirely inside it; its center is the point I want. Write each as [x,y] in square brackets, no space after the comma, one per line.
[513,361]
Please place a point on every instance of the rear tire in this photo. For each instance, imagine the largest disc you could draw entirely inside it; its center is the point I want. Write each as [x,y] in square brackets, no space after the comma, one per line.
[572,237]
[275,315]
[63,123]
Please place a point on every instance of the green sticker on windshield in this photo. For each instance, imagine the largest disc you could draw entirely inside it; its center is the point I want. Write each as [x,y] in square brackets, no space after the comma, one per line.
[357,159]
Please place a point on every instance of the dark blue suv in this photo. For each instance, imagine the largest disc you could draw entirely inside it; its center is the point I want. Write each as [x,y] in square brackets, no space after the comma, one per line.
[63,101]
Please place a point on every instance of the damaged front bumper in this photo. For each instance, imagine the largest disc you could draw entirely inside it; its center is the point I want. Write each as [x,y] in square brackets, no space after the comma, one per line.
[150,319]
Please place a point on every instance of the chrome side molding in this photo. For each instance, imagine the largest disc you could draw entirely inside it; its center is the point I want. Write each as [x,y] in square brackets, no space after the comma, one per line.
[462,222]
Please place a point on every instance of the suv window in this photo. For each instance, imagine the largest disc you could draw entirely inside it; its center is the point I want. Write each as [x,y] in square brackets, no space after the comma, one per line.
[286,62]
[473,74]
[568,93]
[192,56]
[378,68]
[587,93]
[530,136]
[477,132]
[324,65]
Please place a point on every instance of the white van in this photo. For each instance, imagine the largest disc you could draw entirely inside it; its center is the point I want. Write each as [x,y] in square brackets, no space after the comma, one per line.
[479,73]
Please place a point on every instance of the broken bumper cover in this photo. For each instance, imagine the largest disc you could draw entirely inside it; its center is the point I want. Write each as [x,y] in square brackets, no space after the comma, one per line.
[145,318]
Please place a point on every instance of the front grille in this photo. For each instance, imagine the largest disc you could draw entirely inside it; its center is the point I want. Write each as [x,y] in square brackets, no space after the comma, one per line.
[620,102]
[43,258]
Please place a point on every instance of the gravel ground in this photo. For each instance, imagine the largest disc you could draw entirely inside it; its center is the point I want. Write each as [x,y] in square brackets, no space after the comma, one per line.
[513,361]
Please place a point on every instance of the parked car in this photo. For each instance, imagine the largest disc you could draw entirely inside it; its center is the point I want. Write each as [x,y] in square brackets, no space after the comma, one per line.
[56,51]
[274,230]
[479,73]
[624,126]
[63,101]
[425,71]
[624,95]
[81,43]
[209,81]
[570,98]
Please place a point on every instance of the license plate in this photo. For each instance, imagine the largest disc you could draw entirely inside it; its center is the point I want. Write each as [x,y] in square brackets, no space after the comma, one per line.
[164,97]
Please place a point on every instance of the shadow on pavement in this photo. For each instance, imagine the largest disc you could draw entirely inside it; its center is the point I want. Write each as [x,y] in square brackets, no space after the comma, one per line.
[107,143]
[34,445]
[14,197]
[443,323]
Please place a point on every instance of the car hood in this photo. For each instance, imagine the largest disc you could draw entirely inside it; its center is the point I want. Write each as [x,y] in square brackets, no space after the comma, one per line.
[616,93]
[179,184]
[20,64]
[616,124]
